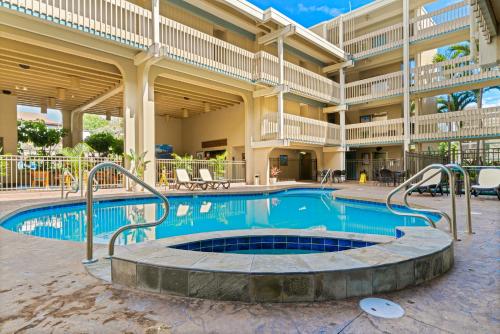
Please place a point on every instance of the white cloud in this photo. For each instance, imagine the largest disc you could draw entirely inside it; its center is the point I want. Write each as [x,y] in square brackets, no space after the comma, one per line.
[322,9]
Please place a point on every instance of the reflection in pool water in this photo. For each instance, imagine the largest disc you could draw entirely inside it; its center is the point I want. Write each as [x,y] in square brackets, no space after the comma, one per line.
[295,209]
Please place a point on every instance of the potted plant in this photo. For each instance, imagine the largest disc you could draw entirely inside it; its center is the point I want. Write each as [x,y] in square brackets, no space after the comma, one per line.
[275,171]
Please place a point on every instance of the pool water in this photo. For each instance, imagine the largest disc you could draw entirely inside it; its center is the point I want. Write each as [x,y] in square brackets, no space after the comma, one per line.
[313,209]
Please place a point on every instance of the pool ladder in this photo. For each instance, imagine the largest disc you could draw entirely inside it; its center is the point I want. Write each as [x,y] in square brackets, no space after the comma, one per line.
[90,210]
[74,181]
[325,178]
[452,221]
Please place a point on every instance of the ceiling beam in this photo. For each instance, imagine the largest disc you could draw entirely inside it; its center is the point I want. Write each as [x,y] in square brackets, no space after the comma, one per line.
[273,36]
[99,99]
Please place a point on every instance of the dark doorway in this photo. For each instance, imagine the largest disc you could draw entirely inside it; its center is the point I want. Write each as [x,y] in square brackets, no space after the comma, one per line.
[306,166]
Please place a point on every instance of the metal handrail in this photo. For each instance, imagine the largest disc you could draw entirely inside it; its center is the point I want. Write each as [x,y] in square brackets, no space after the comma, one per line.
[467,194]
[451,177]
[74,179]
[325,178]
[90,213]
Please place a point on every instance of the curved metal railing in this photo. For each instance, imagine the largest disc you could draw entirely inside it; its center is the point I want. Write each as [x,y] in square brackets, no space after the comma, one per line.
[325,178]
[90,212]
[451,177]
[74,181]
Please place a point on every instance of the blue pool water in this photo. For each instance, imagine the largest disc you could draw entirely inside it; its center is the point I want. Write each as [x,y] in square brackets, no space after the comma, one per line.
[313,209]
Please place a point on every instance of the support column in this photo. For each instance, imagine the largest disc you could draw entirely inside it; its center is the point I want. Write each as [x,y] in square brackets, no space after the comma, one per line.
[342,139]
[250,135]
[8,125]
[129,108]
[66,124]
[145,120]
[76,131]
[406,76]
[155,20]
[343,135]
[281,65]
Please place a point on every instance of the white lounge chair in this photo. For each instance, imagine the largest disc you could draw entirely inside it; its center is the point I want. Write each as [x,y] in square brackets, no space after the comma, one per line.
[488,180]
[433,185]
[206,176]
[183,179]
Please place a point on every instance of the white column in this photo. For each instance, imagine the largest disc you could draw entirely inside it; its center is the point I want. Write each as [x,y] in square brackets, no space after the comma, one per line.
[343,134]
[66,124]
[8,125]
[145,120]
[281,65]
[406,74]
[155,11]
[472,37]
[129,110]
[342,138]
[76,128]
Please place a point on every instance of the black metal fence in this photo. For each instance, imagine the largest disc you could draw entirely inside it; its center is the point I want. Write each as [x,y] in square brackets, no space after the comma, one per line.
[372,167]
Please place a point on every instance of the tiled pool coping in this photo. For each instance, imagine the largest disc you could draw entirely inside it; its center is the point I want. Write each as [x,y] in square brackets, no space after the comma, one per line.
[419,255]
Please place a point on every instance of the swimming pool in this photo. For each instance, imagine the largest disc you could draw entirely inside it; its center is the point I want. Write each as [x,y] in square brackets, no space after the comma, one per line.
[312,209]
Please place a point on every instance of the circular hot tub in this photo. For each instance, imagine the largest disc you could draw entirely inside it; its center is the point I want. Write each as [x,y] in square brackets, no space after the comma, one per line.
[303,265]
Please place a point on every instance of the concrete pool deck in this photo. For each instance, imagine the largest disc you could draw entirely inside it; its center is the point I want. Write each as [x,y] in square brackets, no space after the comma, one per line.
[44,288]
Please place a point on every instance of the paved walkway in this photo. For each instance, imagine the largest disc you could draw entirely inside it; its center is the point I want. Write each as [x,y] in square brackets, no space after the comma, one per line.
[44,288]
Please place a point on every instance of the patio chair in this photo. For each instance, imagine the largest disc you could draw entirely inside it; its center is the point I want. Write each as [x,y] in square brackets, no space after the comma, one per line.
[488,180]
[386,176]
[337,176]
[206,176]
[183,179]
[433,185]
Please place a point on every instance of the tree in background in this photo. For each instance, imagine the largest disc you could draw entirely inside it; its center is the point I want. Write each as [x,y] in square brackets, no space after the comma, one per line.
[39,135]
[96,124]
[458,101]
[105,143]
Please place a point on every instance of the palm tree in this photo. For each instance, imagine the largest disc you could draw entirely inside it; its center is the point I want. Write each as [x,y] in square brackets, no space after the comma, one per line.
[472,96]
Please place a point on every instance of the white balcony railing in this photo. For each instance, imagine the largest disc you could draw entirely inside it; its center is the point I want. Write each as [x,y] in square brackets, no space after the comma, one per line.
[300,129]
[116,20]
[444,20]
[299,79]
[377,41]
[184,43]
[373,88]
[378,132]
[464,124]
[450,73]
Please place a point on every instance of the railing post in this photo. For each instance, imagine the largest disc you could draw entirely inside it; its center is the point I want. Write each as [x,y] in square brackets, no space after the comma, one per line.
[80,175]
[281,65]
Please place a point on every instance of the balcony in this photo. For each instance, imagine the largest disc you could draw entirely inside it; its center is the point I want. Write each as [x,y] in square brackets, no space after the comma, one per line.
[464,124]
[378,132]
[300,81]
[127,23]
[300,129]
[375,42]
[446,74]
[458,125]
[115,20]
[382,86]
[445,20]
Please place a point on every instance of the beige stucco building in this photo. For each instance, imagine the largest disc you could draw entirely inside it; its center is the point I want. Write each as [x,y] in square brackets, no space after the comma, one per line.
[215,75]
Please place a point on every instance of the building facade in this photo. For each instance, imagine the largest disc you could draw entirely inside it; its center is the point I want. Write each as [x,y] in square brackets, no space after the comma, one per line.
[223,75]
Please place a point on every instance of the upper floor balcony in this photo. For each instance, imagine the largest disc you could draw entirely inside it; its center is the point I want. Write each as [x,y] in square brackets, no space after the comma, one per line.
[423,26]
[458,125]
[299,129]
[450,75]
[126,23]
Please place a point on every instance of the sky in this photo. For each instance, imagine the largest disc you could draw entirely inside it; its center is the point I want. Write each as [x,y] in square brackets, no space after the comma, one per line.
[311,12]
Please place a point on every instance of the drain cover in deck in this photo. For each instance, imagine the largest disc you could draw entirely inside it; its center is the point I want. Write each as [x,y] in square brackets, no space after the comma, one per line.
[381,308]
